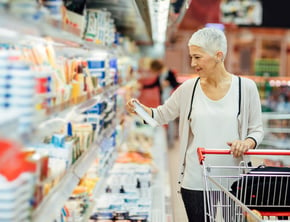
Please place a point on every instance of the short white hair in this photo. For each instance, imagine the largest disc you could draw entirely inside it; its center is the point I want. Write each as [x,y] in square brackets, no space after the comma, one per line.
[209,39]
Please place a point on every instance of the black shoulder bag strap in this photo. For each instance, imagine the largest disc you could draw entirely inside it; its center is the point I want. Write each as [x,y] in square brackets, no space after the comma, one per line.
[240,97]
[192,95]
[193,91]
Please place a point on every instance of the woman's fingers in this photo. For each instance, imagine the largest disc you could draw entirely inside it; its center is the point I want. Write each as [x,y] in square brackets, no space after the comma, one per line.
[238,147]
[130,106]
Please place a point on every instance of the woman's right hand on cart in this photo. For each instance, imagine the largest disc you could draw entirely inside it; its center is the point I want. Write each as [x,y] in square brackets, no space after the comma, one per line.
[239,147]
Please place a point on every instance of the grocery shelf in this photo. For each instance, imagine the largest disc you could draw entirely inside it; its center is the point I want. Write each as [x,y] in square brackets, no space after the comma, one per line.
[53,118]
[85,161]
[279,144]
[9,125]
[275,116]
[82,103]
[160,186]
[20,31]
[54,201]
[57,197]
[15,29]
[277,130]
[100,186]
[160,209]
[64,189]
[98,190]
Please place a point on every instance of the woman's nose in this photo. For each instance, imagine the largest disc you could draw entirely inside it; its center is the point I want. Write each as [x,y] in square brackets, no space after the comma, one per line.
[193,63]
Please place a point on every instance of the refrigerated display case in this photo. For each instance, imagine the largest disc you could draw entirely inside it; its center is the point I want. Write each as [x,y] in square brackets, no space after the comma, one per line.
[137,185]
[72,91]
[277,136]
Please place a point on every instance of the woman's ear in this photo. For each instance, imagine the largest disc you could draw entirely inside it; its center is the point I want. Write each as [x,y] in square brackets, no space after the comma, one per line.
[220,56]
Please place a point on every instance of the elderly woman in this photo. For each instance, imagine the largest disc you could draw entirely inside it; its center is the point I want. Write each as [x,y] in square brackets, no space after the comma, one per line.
[217,110]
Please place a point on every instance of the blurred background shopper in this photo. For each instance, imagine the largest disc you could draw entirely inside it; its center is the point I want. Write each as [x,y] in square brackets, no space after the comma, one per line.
[166,83]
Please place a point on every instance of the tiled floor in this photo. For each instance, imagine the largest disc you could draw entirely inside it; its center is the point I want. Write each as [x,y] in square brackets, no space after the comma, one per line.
[179,214]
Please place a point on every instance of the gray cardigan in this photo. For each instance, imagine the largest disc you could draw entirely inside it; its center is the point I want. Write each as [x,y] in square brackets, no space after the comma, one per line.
[178,105]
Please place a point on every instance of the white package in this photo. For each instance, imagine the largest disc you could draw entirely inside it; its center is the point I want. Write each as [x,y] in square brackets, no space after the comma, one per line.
[144,115]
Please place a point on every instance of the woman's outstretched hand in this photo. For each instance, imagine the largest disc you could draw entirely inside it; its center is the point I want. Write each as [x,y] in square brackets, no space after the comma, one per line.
[130,107]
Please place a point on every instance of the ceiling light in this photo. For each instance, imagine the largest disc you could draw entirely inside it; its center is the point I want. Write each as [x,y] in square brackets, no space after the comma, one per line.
[159,10]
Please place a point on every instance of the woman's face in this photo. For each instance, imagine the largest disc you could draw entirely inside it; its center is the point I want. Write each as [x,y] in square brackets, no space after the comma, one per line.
[202,62]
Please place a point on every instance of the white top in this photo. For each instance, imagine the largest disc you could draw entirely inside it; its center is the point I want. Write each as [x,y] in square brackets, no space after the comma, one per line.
[178,105]
[213,124]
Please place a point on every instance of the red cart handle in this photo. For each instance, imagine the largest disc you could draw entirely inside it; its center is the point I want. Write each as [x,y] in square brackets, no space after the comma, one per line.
[202,151]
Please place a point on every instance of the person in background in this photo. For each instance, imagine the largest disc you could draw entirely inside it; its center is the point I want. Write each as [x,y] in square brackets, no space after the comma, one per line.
[216,110]
[166,82]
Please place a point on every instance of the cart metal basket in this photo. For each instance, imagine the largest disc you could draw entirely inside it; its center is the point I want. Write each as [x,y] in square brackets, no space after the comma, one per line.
[238,193]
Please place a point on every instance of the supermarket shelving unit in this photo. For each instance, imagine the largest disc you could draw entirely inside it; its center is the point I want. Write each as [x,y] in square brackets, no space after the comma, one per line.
[277,130]
[56,198]
[161,209]
[277,136]
[161,192]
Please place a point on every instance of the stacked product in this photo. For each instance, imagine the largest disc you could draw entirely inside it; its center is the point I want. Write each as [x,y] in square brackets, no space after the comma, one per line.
[65,147]
[267,67]
[103,69]
[34,84]
[100,27]
[17,83]
[17,182]
[127,194]
[76,208]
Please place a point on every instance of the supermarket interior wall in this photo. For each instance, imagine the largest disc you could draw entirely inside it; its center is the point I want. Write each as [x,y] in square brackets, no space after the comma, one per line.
[245,47]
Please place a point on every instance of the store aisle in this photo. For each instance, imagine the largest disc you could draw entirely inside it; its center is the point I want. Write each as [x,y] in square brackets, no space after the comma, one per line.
[179,214]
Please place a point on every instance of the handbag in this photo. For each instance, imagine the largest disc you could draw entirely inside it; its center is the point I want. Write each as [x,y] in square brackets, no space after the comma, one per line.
[265,188]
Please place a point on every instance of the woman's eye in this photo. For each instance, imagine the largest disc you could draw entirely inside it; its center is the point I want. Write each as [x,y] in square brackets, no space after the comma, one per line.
[194,57]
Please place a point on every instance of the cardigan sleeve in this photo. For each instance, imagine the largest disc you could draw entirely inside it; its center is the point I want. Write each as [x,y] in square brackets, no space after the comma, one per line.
[255,123]
[169,110]
[176,105]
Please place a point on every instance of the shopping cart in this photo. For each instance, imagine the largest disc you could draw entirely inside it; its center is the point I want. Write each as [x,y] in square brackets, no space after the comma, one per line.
[238,193]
